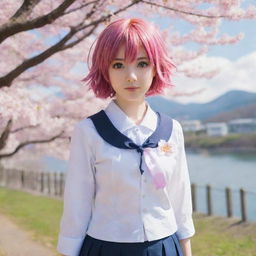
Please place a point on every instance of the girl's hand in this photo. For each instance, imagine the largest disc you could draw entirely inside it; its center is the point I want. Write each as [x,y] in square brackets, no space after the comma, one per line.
[186,247]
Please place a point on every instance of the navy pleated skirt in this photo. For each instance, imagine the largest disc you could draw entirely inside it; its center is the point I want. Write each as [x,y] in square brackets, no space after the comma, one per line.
[167,246]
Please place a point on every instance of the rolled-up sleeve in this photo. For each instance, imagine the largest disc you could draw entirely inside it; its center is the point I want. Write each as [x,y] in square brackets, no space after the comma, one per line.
[181,191]
[78,194]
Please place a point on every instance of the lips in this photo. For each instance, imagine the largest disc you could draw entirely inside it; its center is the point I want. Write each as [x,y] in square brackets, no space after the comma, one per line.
[131,88]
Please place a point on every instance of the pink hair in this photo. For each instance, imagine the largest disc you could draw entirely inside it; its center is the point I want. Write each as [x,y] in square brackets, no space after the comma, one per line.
[132,33]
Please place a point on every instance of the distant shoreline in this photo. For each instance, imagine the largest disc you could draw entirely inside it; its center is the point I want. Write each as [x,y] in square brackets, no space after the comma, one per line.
[222,150]
[231,143]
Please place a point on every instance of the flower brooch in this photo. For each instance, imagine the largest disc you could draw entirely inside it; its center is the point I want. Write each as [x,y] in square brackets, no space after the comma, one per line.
[164,147]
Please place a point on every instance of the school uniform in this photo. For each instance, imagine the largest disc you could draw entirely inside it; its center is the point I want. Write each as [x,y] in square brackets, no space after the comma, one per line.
[113,205]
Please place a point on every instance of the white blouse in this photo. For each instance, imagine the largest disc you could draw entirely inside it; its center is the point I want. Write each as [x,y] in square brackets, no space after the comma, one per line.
[107,197]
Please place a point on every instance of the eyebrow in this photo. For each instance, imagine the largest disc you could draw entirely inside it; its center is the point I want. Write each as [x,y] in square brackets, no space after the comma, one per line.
[140,58]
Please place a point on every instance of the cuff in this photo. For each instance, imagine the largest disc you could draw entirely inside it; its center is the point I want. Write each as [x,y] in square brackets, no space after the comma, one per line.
[69,246]
[186,229]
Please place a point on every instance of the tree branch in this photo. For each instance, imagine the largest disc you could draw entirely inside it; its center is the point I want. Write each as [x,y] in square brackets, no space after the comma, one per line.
[20,146]
[5,134]
[80,7]
[11,28]
[6,80]
[24,11]
[104,18]
[184,12]
[24,127]
[70,45]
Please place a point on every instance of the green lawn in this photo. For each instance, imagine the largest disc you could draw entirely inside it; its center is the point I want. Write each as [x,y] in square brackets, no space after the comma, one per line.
[215,236]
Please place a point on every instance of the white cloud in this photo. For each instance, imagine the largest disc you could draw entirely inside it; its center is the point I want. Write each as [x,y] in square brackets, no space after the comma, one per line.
[234,75]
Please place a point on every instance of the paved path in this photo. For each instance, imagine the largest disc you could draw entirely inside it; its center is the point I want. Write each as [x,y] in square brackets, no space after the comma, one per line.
[17,242]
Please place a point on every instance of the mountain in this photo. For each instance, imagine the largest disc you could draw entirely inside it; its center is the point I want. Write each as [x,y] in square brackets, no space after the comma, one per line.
[233,104]
[248,111]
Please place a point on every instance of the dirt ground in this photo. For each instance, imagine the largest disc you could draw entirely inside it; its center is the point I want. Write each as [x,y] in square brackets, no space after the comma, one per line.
[17,242]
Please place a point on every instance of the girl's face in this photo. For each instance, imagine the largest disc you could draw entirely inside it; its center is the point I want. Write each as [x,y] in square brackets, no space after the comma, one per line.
[131,80]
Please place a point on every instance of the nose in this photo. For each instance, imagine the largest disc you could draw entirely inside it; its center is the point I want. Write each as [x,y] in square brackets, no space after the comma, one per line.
[131,76]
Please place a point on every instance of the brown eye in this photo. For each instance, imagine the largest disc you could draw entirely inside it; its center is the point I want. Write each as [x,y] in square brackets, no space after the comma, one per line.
[117,65]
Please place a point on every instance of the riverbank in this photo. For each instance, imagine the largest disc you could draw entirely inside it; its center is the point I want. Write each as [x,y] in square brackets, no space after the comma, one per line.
[40,215]
[229,143]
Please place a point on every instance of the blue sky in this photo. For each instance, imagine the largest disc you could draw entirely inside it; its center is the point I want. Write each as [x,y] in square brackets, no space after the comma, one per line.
[245,46]
[232,52]
[234,59]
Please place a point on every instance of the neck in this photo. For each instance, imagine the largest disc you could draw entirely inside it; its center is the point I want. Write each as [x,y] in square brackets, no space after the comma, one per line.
[135,110]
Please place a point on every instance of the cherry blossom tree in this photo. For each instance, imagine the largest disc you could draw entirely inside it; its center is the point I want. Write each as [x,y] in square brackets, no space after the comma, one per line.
[44,44]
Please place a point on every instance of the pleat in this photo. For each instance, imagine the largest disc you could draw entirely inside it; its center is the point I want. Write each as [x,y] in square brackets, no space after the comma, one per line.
[163,249]
[155,249]
[95,249]
[112,249]
[170,247]
[86,247]
[132,249]
[177,245]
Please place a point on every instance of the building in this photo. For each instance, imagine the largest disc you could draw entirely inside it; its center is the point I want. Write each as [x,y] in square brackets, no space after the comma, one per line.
[191,125]
[243,125]
[216,129]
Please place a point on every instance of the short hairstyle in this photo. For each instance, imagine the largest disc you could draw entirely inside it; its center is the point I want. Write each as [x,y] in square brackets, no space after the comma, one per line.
[132,33]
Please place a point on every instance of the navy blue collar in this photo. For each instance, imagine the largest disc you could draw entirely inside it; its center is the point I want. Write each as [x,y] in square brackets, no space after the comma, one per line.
[114,137]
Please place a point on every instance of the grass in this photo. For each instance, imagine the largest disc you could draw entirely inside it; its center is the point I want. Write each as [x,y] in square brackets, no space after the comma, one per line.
[215,236]
[218,236]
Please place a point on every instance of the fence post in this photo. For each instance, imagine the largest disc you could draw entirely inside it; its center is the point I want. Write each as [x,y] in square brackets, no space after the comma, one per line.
[22,178]
[49,182]
[61,183]
[229,202]
[209,200]
[193,192]
[55,184]
[41,182]
[243,205]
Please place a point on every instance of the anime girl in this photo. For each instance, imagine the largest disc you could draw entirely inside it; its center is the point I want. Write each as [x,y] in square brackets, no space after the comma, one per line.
[127,190]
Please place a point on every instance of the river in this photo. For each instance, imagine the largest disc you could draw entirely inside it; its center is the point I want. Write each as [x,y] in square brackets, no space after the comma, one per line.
[220,170]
